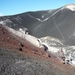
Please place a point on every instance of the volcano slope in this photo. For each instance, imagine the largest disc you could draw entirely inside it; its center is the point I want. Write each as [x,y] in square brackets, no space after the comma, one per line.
[60,25]
[28,61]
[23,56]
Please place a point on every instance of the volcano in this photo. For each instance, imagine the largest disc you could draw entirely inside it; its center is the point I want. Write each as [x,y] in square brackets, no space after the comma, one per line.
[47,34]
[58,23]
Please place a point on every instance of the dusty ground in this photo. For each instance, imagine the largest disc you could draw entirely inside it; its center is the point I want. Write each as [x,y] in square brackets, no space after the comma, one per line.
[19,57]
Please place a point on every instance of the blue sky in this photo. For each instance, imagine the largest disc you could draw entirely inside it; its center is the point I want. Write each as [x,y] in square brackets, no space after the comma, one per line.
[11,7]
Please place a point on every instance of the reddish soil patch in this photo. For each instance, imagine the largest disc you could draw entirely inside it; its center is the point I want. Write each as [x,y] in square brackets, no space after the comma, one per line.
[11,41]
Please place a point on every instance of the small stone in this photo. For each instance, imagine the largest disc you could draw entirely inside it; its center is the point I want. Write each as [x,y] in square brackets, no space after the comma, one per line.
[21,45]
[63,62]
[49,56]
[20,49]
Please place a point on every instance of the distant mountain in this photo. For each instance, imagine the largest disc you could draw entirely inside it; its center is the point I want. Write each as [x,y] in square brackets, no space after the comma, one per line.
[29,20]
[58,23]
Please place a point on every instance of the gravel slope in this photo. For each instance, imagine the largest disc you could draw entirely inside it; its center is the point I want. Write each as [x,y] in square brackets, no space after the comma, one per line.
[14,63]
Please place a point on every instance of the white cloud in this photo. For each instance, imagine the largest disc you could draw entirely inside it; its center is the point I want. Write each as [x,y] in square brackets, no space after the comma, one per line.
[1,14]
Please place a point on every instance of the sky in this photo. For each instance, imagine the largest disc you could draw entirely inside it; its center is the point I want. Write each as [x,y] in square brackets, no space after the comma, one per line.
[12,7]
